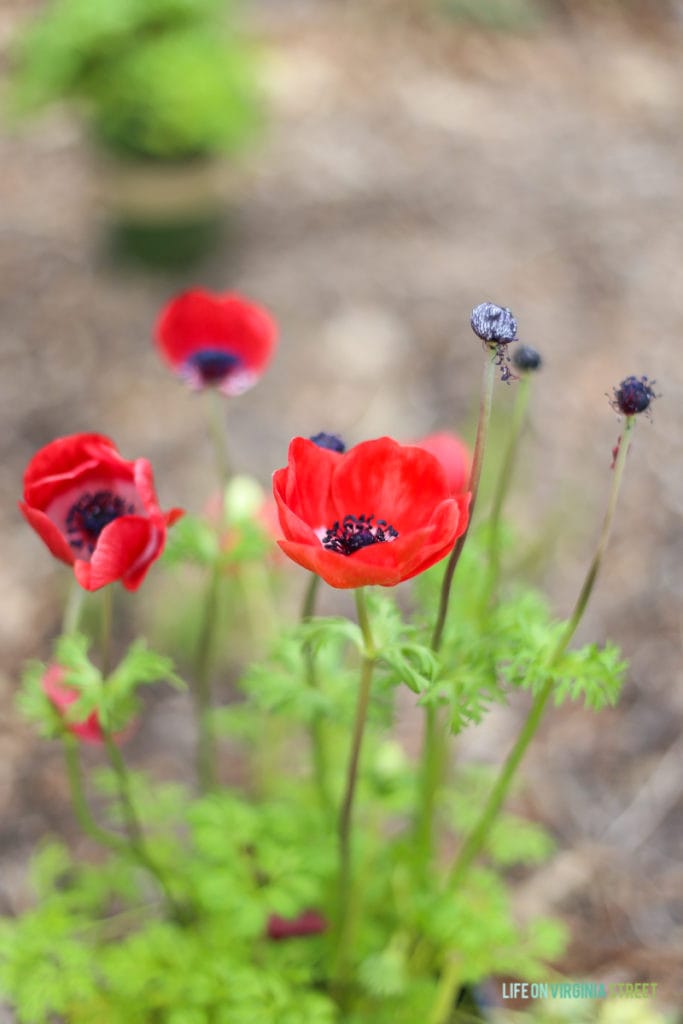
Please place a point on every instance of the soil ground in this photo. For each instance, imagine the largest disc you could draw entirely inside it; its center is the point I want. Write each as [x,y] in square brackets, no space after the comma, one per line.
[412,168]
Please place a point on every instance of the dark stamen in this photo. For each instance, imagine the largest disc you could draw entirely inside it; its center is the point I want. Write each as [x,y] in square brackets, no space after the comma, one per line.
[89,516]
[357,532]
[213,365]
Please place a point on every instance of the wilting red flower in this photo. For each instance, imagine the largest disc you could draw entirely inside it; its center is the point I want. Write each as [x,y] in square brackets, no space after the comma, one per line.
[62,697]
[308,922]
[95,510]
[453,455]
[379,514]
[221,341]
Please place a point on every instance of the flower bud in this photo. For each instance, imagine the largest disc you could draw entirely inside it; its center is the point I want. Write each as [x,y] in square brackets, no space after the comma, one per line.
[493,323]
[332,442]
[527,359]
[633,395]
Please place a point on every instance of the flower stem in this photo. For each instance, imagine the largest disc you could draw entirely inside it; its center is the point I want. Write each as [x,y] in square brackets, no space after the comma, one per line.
[80,803]
[485,403]
[434,739]
[136,840]
[316,726]
[106,618]
[216,416]
[504,477]
[136,844]
[206,740]
[72,608]
[477,837]
[345,893]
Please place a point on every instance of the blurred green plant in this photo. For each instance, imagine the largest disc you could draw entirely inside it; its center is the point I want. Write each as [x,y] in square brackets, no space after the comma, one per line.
[158,79]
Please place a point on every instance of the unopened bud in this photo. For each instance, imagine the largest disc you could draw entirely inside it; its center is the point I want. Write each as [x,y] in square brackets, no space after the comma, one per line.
[330,441]
[527,359]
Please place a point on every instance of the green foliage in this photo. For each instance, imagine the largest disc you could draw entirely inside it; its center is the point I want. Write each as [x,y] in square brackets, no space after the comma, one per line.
[157,78]
[489,648]
[102,941]
[114,699]
[192,539]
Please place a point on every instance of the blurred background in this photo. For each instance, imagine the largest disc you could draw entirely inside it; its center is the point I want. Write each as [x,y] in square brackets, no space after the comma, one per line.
[369,170]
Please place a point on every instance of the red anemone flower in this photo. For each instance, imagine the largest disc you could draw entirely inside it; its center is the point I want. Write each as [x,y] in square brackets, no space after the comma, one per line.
[95,510]
[62,697]
[378,514]
[221,341]
[453,455]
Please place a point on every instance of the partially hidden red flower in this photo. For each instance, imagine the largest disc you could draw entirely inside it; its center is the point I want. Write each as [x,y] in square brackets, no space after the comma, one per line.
[308,922]
[378,514]
[221,341]
[62,697]
[453,455]
[95,510]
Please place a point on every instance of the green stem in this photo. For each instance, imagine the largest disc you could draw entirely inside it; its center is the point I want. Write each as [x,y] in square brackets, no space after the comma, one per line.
[317,725]
[434,745]
[485,402]
[72,608]
[106,613]
[347,900]
[310,598]
[136,843]
[136,840]
[477,837]
[442,1010]
[80,803]
[216,415]
[206,740]
[504,477]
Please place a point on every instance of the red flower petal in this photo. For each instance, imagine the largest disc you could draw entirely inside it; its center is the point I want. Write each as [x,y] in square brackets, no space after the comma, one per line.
[305,486]
[401,484]
[48,532]
[65,460]
[124,551]
[62,697]
[390,481]
[453,455]
[96,510]
[196,321]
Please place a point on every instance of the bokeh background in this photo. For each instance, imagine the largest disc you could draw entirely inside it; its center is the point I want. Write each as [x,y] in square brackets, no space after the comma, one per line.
[417,158]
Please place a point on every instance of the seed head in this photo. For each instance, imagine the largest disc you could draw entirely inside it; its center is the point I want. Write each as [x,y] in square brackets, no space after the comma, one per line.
[493,323]
[633,395]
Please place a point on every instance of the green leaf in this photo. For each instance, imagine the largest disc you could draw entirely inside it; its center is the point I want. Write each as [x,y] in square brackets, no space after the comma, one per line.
[192,539]
[413,664]
[320,631]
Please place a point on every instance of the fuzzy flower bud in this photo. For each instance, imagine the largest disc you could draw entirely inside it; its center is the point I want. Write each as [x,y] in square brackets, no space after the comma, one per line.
[493,323]
[633,395]
[527,359]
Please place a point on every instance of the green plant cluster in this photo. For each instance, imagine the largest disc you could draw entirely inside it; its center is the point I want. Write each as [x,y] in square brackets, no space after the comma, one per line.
[99,946]
[155,79]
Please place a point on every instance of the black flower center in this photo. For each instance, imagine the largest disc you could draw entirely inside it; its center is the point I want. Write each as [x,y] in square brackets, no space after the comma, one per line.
[89,516]
[356,532]
[213,365]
